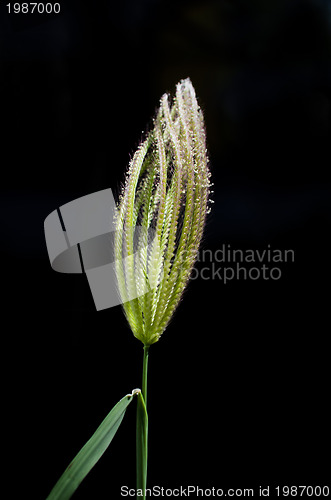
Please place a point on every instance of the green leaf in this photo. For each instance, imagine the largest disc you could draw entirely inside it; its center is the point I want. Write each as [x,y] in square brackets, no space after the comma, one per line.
[88,456]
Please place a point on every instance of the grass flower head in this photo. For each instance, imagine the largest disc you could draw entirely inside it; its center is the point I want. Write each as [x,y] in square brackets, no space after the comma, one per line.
[161,214]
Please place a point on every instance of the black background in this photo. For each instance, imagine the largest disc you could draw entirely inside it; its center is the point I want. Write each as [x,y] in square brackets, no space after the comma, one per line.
[238,384]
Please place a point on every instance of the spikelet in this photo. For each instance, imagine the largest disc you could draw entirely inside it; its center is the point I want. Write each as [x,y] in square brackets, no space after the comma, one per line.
[161,215]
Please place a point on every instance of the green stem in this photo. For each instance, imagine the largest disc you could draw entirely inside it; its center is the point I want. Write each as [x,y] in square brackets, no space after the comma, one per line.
[142,432]
[145,368]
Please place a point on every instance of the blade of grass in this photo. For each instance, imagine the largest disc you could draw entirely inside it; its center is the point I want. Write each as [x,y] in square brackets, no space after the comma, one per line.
[88,456]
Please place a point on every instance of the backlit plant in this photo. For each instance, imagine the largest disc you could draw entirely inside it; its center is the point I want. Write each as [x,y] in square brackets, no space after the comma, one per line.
[159,225]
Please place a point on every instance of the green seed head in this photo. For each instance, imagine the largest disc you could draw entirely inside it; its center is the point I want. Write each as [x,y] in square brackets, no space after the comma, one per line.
[161,214]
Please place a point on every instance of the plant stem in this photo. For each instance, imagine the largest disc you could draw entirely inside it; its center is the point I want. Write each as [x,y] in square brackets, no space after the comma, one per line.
[142,432]
[145,368]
